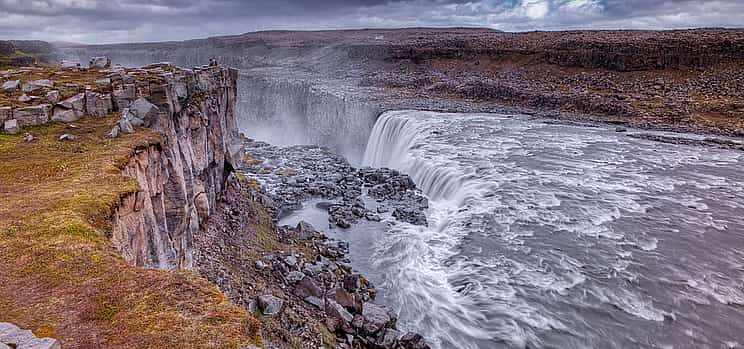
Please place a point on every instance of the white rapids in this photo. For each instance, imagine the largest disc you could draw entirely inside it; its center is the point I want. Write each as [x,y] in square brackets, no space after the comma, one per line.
[553,236]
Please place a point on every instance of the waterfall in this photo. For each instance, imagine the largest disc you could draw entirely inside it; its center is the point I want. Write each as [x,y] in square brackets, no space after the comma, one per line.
[290,112]
[398,141]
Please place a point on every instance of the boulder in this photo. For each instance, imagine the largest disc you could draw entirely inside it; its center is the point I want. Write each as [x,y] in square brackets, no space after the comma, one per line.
[32,116]
[10,126]
[100,62]
[317,302]
[27,137]
[340,296]
[53,97]
[25,98]
[307,288]
[11,86]
[114,132]
[143,109]
[98,104]
[125,126]
[6,113]
[376,317]
[340,319]
[269,305]
[25,339]
[413,341]
[37,85]
[294,277]
[124,94]
[76,102]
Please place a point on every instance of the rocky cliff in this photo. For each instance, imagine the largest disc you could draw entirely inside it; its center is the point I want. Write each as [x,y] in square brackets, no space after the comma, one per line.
[182,178]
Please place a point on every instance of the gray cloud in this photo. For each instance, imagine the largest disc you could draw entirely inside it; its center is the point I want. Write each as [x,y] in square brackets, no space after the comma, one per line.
[107,21]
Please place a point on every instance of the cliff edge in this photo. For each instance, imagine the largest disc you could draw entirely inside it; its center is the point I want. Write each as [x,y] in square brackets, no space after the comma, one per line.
[113,162]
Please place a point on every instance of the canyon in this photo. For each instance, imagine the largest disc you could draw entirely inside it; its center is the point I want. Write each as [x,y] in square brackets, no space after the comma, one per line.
[351,189]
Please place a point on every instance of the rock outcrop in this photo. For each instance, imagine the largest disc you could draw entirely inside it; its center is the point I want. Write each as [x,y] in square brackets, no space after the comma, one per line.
[182,178]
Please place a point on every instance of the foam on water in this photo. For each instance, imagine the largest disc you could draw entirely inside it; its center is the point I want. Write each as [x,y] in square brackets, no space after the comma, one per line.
[546,235]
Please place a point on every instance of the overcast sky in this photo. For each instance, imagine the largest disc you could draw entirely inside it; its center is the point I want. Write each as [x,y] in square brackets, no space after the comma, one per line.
[108,21]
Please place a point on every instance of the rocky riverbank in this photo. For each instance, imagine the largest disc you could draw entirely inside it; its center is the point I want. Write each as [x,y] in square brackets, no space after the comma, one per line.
[302,284]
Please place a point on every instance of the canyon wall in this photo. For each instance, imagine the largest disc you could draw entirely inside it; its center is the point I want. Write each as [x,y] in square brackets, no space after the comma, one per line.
[181,178]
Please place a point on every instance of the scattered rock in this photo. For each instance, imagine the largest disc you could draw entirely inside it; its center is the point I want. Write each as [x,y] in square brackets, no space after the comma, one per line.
[66,137]
[11,86]
[27,137]
[114,132]
[621,129]
[25,98]
[126,126]
[294,277]
[269,305]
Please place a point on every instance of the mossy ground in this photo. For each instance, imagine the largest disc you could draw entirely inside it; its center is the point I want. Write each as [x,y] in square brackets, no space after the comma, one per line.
[61,277]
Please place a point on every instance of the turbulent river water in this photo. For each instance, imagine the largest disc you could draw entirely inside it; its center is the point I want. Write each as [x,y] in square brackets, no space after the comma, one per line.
[553,236]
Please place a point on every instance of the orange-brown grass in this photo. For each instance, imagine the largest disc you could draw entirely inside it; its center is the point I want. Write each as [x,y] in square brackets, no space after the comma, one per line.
[61,277]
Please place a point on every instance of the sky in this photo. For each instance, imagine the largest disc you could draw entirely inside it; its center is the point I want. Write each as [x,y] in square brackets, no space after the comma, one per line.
[112,21]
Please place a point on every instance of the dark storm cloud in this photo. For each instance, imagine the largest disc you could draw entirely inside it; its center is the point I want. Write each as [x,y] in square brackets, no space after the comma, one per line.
[155,20]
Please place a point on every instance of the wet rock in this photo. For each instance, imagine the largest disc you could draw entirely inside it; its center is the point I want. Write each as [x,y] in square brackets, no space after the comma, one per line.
[340,318]
[343,298]
[376,317]
[413,341]
[269,305]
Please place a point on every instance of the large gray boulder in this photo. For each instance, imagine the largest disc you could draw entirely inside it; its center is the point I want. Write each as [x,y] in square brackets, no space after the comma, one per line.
[70,109]
[11,86]
[98,104]
[24,339]
[10,127]
[32,86]
[33,116]
[53,96]
[338,317]
[124,94]
[376,317]
[144,110]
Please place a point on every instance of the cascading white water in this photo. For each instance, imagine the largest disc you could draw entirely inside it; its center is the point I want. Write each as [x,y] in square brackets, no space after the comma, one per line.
[557,236]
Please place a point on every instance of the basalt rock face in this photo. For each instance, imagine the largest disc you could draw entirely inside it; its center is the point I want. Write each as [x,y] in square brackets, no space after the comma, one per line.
[181,178]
